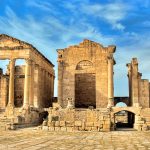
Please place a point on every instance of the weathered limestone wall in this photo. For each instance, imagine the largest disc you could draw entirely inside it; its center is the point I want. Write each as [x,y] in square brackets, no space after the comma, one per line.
[88,68]
[145,113]
[121,118]
[144,94]
[78,120]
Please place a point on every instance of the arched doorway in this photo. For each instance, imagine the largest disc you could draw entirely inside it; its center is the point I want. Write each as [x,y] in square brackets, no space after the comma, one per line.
[43,116]
[124,119]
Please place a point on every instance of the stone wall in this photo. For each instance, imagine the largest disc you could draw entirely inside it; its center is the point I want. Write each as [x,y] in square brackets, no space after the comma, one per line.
[144,94]
[78,120]
[145,113]
[123,118]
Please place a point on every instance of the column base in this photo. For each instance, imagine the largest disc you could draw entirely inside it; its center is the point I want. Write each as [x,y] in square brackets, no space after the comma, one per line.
[10,106]
[9,112]
[136,105]
[26,106]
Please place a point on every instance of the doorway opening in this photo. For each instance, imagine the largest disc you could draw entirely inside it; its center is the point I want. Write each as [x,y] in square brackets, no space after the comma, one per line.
[124,119]
[85,90]
[43,116]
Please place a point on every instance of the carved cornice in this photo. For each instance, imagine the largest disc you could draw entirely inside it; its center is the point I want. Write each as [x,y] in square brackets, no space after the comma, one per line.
[89,45]
[11,48]
[111,58]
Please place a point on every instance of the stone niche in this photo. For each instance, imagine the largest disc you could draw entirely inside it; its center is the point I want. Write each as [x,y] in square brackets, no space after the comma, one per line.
[85,74]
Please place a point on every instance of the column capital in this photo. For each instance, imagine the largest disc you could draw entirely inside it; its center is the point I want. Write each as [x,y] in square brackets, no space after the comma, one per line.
[13,59]
[128,65]
[139,75]
[110,59]
[28,60]
[36,66]
[12,62]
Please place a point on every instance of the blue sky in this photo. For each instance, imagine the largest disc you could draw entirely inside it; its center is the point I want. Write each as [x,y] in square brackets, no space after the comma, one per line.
[53,24]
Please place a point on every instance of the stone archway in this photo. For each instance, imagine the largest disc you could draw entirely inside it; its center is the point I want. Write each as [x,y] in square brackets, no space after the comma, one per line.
[124,119]
[122,99]
[132,114]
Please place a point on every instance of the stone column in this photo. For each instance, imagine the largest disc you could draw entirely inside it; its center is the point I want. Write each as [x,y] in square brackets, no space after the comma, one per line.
[50,87]
[11,83]
[135,82]
[139,89]
[110,82]
[60,79]
[36,86]
[129,82]
[47,99]
[31,95]
[27,83]
[44,87]
[41,86]
[53,78]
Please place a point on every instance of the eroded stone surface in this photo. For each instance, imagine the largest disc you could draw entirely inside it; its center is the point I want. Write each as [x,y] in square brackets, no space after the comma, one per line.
[27,139]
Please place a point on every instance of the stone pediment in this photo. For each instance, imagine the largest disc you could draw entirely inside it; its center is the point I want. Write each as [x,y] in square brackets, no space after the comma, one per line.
[89,43]
[8,42]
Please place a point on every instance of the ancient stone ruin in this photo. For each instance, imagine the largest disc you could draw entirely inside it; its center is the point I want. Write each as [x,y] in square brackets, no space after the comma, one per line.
[24,90]
[85,99]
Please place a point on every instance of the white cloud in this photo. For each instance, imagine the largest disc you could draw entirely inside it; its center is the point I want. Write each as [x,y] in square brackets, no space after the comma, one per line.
[41,5]
[113,13]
